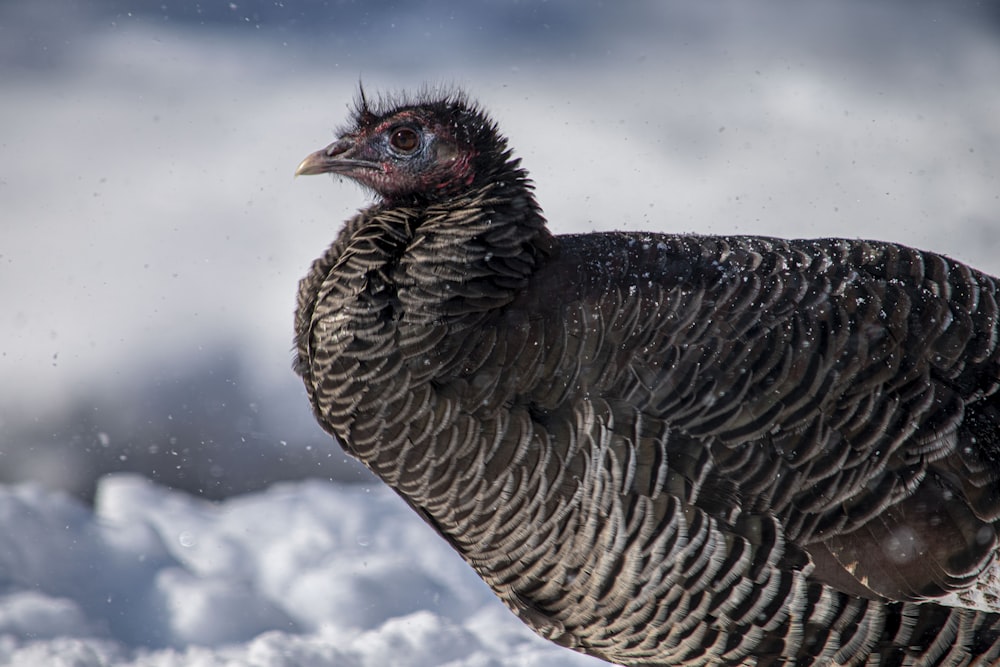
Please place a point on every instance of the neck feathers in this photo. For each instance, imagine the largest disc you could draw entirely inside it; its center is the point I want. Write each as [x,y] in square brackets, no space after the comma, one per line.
[473,254]
[448,263]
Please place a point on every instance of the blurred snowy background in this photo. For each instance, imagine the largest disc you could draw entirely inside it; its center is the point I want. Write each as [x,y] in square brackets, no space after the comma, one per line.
[152,237]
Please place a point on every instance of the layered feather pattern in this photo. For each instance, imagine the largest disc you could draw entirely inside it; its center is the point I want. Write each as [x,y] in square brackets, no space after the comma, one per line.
[663,449]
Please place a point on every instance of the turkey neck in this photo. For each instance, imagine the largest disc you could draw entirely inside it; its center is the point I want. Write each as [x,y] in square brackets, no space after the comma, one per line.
[470,256]
[385,320]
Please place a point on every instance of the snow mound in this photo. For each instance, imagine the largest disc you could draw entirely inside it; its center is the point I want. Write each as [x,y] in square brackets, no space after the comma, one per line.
[310,574]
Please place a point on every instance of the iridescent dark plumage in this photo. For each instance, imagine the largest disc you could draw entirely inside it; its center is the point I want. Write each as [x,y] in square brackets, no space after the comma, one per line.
[661,449]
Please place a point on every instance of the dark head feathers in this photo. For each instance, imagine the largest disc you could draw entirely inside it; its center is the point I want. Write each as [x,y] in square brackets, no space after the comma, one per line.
[468,121]
[367,111]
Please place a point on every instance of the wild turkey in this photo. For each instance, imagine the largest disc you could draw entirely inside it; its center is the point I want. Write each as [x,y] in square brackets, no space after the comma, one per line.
[662,449]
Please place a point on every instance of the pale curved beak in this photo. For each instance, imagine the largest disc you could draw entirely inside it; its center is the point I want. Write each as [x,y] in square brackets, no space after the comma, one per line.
[315,163]
[337,158]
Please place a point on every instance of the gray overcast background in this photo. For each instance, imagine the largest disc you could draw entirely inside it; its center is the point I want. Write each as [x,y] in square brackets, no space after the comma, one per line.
[152,234]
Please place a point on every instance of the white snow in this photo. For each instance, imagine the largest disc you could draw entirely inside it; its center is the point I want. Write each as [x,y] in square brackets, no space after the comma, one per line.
[309,574]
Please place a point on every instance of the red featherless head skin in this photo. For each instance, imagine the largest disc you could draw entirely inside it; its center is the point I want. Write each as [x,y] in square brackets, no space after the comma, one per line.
[423,148]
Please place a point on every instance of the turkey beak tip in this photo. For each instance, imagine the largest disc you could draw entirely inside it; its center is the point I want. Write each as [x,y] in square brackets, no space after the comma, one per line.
[315,163]
[337,158]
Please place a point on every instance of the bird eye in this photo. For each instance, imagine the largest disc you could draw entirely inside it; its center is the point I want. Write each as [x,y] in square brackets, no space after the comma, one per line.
[404,140]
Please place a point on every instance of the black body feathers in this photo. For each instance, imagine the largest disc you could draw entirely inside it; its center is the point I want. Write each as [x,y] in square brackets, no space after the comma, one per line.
[660,449]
